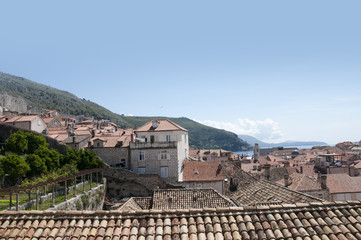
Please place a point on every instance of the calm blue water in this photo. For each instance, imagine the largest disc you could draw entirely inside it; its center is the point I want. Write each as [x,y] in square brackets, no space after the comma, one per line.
[250,153]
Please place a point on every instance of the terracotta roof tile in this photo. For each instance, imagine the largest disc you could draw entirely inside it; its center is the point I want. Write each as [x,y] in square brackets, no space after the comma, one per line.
[309,221]
[163,125]
[188,198]
[202,171]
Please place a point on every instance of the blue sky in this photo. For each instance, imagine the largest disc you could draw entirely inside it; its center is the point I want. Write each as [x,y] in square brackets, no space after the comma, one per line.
[277,70]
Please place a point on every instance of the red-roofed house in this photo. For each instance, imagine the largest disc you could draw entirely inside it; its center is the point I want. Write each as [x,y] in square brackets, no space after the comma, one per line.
[203,175]
[31,122]
[113,148]
[160,147]
[51,122]
[342,187]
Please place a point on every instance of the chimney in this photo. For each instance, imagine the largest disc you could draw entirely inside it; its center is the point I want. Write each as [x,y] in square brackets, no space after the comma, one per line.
[73,139]
[155,124]
[301,169]
[267,170]
[323,181]
[286,177]
[132,137]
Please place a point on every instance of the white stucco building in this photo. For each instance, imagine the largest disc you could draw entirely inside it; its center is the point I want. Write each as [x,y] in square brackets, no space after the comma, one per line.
[160,147]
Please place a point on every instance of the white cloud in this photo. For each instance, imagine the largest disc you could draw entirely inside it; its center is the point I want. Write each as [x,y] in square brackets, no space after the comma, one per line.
[266,130]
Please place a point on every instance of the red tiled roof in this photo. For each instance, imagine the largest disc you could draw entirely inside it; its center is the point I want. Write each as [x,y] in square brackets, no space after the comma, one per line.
[113,139]
[202,171]
[189,198]
[343,183]
[22,118]
[163,125]
[311,221]
[302,182]
[12,119]
[48,120]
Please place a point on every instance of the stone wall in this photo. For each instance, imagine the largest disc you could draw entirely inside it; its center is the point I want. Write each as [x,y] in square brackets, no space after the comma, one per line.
[124,183]
[112,156]
[92,200]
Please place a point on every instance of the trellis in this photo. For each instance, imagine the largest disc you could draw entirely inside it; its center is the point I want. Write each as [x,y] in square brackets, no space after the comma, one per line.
[16,190]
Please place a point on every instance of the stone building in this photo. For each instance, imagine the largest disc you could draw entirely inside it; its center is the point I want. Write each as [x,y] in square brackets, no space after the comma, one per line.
[160,147]
[30,122]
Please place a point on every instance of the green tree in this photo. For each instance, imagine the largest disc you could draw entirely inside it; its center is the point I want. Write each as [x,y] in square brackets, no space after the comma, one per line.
[89,160]
[15,167]
[50,156]
[71,156]
[37,165]
[17,143]
[35,141]
[83,159]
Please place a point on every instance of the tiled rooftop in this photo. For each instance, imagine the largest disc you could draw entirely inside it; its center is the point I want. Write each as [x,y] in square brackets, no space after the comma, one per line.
[188,198]
[144,202]
[302,182]
[343,183]
[163,125]
[259,192]
[202,171]
[313,221]
[176,199]
[252,191]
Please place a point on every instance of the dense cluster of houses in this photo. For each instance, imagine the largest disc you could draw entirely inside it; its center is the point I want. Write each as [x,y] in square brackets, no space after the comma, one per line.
[330,173]
[276,194]
[158,147]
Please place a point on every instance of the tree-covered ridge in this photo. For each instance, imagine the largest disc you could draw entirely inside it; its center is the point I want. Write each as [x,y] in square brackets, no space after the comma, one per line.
[26,155]
[42,96]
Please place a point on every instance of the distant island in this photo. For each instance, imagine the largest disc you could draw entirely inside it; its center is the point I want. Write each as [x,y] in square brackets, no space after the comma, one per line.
[252,140]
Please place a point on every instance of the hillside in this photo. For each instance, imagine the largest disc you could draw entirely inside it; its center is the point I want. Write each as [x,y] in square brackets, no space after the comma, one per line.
[252,140]
[45,97]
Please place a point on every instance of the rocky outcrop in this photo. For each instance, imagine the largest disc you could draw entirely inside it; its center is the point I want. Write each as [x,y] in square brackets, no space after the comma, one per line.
[14,104]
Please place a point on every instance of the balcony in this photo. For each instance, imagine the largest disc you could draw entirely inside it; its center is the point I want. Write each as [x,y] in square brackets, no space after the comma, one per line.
[142,145]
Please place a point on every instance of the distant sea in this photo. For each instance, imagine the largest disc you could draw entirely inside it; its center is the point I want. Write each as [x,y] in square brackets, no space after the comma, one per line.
[250,153]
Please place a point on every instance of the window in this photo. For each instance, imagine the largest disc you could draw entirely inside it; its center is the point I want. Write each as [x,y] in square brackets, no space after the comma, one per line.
[152,139]
[141,155]
[141,170]
[39,122]
[185,138]
[167,138]
[163,172]
[163,155]
[198,185]
[98,144]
